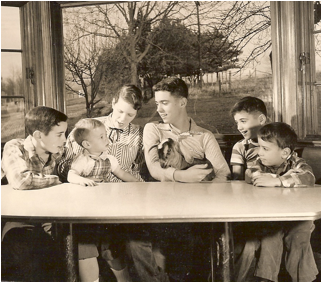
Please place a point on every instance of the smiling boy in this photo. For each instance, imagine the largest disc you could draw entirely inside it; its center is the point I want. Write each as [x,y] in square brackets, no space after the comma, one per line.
[250,115]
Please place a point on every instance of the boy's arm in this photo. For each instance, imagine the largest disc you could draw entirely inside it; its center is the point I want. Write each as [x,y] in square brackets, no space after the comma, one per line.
[71,149]
[238,172]
[150,140]
[214,155]
[300,175]
[19,175]
[74,178]
[119,172]
[124,176]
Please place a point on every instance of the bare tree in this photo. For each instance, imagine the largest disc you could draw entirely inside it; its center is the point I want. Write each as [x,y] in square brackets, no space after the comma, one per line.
[82,56]
[128,24]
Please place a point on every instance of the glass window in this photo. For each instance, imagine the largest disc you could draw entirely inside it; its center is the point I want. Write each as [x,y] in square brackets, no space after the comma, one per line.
[12,95]
[225,77]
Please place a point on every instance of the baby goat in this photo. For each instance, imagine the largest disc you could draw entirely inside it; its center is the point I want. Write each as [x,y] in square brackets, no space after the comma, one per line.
[170,156]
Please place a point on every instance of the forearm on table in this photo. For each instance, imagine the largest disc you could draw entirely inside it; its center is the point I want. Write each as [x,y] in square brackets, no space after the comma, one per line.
[29,180]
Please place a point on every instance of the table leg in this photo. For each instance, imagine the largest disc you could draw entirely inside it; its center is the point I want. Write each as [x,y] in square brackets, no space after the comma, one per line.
[69,252]
[222,254]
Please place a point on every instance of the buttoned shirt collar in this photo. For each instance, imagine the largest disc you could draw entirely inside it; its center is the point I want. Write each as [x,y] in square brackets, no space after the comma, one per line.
[169,127]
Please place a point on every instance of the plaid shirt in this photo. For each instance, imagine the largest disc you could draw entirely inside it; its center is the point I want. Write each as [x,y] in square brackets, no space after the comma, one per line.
[23,167]
[126,145]
[26,171]
[294,172]
[97,168]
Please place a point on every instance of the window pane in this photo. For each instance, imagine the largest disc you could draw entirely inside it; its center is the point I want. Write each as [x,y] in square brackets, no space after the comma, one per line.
[12,111]
[229,74]
[10,28]
[11,74]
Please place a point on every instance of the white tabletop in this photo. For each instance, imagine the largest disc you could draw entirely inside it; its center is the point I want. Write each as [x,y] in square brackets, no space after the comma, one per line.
[162,202]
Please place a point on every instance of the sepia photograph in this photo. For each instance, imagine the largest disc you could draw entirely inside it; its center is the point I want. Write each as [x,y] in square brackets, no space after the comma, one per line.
[209,112]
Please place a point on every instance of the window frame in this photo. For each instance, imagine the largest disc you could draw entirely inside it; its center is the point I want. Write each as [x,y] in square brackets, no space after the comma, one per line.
[299,18]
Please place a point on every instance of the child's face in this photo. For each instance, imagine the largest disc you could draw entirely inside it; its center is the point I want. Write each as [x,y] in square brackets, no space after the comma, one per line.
[270,153]
[97,140]
[54,141]
[123,113]
[248,124]
[168,106]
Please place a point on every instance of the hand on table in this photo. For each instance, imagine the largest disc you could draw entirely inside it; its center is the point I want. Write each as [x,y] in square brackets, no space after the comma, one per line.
[266,180]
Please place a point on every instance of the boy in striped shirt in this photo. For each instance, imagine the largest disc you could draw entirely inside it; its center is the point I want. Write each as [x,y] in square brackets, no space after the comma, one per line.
[249,114]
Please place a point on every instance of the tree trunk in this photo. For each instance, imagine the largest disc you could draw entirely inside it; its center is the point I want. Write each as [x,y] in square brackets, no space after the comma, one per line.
[134,73]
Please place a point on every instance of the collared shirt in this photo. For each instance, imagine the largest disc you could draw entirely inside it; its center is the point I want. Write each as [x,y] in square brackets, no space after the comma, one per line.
[244,153]
[94,167]
[197,143]
[294,172]
[126,146]
[24,169]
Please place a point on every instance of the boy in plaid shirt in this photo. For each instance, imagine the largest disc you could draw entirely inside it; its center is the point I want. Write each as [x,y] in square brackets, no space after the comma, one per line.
[278,165]
[27,248]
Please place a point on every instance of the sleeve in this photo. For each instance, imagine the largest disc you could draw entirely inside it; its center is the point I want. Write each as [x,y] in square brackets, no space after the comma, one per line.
[300,175]
[71,149]
[79,165]
[237,156]
[114,163]
[139,160]
[151,138]
[214,155]
[19,175]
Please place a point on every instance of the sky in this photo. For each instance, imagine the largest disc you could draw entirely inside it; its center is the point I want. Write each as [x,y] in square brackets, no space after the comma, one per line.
[10,38]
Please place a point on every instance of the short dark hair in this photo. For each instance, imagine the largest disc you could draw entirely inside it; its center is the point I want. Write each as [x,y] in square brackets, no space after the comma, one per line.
[282,133]
[83,128]
[43,119]
[249,104]
[131,94]
[175,86]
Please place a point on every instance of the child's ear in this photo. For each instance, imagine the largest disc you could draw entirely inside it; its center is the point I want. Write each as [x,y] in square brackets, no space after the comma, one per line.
[286,152]
[262,119]
[113,102]
[86,144]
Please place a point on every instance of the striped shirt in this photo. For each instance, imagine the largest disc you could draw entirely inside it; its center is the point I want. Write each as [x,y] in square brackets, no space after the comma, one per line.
[198,143]
[294,172]
[125,144]
[94,167]
[244,153]
[25,170]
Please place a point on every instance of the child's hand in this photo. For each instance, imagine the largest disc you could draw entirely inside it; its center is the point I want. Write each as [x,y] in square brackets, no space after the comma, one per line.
[87,182]
[266,180]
